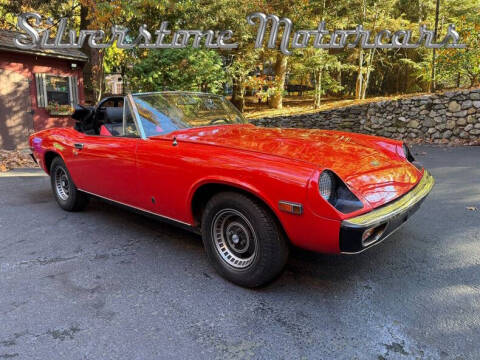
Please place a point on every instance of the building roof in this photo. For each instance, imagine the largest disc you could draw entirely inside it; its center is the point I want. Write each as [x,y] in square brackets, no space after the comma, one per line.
[7,44]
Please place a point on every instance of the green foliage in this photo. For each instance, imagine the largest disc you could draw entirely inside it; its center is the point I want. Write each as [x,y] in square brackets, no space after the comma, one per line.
[463,66]
[10,9]
[116,60]
[178,69]
[349,72]
[311,64]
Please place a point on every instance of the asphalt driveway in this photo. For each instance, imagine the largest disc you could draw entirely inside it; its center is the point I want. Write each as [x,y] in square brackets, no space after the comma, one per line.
[110,284]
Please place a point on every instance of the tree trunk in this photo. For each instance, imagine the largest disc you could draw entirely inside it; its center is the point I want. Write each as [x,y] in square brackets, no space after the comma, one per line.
[280,73]
[318,90]
[473,80]
[124,83]
[238,98]
[87,68]
[100,77]
[435,31]
[359,84]
[369,66]
[97,74]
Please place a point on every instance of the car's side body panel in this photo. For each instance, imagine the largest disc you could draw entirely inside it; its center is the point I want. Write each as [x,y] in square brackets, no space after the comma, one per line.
[161,176]
[105,167]
[172,174]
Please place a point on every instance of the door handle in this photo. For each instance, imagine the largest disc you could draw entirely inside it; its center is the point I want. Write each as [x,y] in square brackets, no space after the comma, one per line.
[78,146]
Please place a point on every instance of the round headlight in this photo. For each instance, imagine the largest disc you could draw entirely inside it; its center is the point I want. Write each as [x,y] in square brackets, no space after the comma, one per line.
[326,185]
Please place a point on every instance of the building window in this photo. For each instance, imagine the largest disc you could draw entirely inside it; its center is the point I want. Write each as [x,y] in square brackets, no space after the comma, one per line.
[56,90]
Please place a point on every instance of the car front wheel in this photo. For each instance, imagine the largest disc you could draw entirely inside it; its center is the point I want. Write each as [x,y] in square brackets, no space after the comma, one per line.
[65,191]
[243,240]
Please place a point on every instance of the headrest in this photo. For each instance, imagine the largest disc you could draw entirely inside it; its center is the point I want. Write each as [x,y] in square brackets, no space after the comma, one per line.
[113,115]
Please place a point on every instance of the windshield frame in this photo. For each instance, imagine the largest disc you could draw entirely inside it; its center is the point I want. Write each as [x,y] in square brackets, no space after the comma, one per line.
[139,122]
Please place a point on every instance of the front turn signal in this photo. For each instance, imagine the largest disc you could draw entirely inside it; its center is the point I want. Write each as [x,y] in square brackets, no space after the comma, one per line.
[290,207]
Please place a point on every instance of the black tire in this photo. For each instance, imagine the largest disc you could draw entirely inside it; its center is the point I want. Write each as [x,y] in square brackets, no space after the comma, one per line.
[231,223]
[64,189]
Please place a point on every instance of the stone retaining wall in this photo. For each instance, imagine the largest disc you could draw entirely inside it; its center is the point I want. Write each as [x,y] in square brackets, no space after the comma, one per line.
[445,117]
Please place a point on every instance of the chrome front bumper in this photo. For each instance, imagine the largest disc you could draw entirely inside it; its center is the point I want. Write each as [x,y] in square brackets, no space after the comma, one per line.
[386,218]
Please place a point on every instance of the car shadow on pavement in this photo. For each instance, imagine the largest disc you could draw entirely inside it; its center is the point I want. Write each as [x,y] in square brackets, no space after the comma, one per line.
[303,266]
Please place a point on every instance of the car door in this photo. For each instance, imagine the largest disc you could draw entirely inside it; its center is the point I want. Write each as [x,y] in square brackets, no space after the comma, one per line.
[160,177]
[106,165]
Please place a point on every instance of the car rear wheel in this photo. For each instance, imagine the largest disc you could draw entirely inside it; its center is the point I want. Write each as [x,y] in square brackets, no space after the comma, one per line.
[243,240]
[65,191]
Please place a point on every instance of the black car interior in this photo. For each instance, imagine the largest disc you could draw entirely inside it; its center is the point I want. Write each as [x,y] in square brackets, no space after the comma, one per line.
[108,113]
[113,120]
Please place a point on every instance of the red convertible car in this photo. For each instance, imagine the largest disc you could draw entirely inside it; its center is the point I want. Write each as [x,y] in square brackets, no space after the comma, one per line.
[192,159]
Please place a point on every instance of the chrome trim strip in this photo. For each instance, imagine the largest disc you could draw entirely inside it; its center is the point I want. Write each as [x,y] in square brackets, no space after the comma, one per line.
[137,208]
[136,115]
[383,213]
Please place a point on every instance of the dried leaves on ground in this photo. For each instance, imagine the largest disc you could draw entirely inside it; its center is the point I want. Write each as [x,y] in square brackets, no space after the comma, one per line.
[295,105]
[15,159]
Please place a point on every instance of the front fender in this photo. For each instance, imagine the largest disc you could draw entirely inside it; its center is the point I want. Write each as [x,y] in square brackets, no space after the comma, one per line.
[232,182]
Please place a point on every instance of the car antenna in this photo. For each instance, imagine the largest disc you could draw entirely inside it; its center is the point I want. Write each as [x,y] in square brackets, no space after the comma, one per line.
[174,141]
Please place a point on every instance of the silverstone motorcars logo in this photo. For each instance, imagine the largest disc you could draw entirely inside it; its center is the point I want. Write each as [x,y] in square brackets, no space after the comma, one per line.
[321,38]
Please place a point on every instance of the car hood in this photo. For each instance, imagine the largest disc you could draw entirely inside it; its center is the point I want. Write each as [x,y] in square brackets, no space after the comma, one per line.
[370,166]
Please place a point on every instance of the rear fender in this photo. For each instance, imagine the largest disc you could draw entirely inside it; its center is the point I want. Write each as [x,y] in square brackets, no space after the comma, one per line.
[42,147]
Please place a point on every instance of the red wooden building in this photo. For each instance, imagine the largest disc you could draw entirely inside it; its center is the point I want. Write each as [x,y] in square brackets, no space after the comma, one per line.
[37,87]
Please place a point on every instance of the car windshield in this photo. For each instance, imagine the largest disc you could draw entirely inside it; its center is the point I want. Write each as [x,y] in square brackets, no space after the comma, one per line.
[162,113]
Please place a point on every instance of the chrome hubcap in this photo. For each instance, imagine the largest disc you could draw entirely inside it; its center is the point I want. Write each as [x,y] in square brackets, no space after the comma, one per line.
[62,185]
[234,237]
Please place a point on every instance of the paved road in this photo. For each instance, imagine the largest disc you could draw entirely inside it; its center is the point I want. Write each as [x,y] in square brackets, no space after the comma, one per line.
[109,284]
